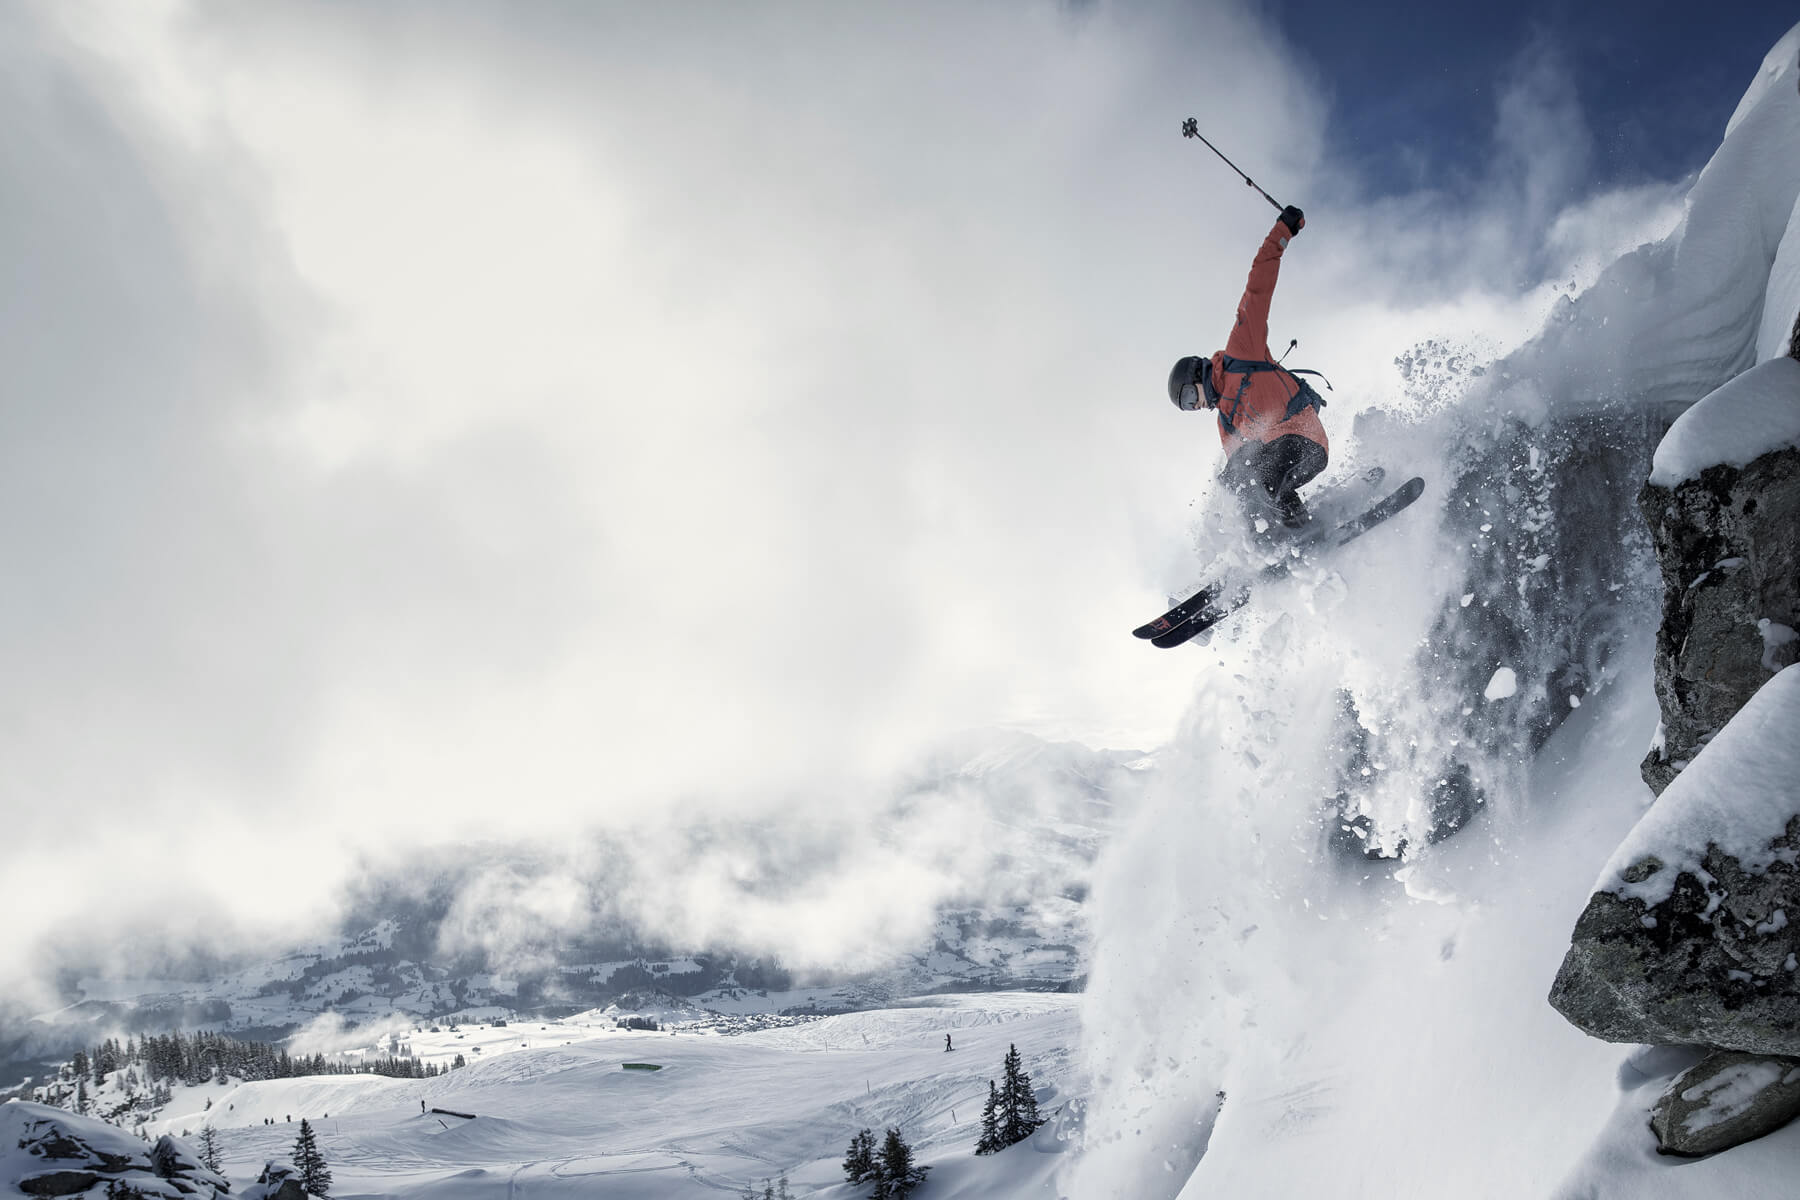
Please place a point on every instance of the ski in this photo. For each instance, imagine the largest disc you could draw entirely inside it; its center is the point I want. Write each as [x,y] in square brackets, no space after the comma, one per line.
[1179,615]
[1204,608]
[1323,506]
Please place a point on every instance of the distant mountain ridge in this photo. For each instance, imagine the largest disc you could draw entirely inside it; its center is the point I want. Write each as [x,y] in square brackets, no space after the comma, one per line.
[1043,810]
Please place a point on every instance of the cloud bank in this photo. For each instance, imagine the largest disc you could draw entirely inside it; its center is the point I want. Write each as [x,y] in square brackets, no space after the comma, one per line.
[431,419]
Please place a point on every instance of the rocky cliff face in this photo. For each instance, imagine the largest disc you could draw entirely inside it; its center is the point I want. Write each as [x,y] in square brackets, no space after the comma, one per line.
[1729,545]
[1687,939]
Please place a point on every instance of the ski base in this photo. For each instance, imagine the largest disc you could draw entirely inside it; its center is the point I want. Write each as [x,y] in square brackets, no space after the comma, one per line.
[1206,608]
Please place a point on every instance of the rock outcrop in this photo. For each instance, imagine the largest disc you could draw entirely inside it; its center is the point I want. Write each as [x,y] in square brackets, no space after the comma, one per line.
[177,1162]
[1729,543]
[278,1181]
[1723,506]
[1708,966]
[46,1151]
[1725,1100]
[1687,939]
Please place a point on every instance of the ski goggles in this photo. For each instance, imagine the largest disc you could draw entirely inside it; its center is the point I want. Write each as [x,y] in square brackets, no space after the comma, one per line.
[1188,383]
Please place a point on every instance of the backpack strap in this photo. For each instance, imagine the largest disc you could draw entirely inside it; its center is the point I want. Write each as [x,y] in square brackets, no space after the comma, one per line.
[1304,397]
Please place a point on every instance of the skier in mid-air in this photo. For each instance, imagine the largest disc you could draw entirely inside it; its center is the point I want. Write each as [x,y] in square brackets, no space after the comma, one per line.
[1274,440]
[1268,417]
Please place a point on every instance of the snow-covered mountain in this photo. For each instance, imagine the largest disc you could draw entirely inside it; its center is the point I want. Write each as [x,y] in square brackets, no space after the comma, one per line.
[1040,811]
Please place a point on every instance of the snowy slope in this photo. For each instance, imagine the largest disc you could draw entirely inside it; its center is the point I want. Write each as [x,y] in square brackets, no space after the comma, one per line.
[567,1120]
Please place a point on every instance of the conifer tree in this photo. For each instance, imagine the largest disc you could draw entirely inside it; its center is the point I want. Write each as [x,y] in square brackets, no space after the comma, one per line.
[897,1175]
[989,1142]
[209,1148]
[781,1188]
[1018,1107]
[315,1176]
[859,1162]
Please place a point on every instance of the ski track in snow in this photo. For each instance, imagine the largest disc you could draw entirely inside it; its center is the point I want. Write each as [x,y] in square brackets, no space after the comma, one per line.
[567,1120]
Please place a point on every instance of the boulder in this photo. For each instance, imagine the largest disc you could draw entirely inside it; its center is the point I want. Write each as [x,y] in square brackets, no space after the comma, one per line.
[1725,1100]
[46,1151]
[278,1181]
[179,1163]
[1727,535]
[50,1137]
[1687,938]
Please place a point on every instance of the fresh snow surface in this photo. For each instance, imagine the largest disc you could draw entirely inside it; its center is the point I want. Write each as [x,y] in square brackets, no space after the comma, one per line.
[1673,319]
[567,1120]
[1376,1032]
[1738,213]
[1754,414]
[1738,794]
[1781,305]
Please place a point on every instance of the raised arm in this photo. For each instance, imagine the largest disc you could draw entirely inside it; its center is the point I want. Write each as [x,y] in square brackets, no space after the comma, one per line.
[1250,336]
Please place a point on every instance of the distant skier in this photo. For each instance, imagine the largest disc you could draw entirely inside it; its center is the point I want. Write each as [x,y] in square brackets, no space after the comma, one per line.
[1268,417]
[947,1046]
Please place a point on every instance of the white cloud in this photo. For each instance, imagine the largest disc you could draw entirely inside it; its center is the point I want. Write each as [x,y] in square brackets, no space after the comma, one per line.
[435,418]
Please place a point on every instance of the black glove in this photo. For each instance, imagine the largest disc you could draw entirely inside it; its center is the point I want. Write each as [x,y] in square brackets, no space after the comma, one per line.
[1293,218]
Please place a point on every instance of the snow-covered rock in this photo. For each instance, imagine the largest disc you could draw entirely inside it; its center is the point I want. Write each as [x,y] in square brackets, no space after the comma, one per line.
[1723,505]
[1725,1100]
[1757,413]
[278,1181]
[48,1152]
[1687,938]
[177,1162]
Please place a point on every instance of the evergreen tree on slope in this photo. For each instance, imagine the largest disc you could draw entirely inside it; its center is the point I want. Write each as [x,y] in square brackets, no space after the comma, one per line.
[859,1160]
[898,1176]
[315,1176]
[209,1148]
[989,1142]
[1018,1107]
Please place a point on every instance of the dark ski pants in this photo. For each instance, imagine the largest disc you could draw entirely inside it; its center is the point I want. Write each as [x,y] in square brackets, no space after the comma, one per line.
[1266,476]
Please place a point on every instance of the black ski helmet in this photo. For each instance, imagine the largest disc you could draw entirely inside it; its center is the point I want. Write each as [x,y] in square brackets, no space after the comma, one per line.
[1187,383]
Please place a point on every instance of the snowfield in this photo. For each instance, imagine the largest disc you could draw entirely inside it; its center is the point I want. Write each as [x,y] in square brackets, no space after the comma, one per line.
[557,1115]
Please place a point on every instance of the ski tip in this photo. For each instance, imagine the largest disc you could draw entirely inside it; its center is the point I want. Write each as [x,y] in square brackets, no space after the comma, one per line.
[1413,487]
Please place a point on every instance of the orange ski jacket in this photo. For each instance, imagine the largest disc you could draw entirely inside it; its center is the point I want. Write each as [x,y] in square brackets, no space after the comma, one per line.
[1262,405]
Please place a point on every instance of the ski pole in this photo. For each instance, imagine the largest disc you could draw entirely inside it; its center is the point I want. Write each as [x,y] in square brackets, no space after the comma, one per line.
[1191,128]
[1288,351]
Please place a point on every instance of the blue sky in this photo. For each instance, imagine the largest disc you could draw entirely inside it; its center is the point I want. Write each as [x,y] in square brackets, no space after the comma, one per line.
[1414,86]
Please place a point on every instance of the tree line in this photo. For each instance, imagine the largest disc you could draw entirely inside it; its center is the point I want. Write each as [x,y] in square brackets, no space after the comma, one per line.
[193,1059]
